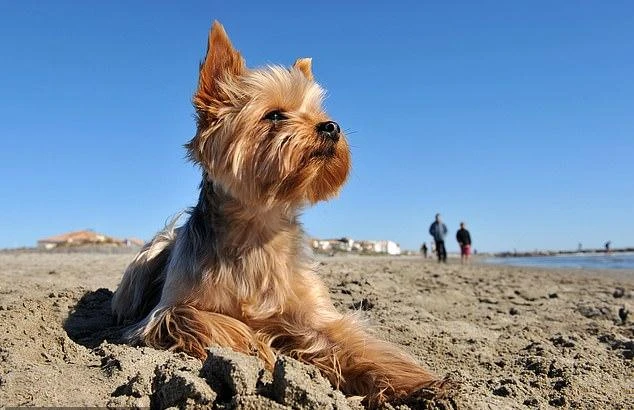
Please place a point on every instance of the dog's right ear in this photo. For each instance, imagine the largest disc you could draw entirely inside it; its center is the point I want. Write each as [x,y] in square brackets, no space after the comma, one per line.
[305,66]
[221,63]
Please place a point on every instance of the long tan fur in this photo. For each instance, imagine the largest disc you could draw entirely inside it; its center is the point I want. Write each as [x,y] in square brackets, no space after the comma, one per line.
[235,273]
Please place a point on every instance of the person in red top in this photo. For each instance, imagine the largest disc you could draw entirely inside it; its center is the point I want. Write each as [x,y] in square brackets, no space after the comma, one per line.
[464,240]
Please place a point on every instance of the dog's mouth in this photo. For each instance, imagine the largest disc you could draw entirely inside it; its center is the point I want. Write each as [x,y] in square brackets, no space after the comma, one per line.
[324,152]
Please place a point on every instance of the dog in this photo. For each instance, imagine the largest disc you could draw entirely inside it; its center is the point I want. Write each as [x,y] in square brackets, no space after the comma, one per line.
[236,273]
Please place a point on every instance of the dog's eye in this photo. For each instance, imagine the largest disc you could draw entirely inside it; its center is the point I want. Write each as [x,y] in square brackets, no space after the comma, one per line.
[275,116]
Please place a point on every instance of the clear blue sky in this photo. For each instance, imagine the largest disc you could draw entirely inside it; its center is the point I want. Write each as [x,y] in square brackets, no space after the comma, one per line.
[517,117]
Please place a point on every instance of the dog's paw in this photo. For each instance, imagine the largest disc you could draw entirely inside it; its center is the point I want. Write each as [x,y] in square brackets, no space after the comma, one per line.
[436,396]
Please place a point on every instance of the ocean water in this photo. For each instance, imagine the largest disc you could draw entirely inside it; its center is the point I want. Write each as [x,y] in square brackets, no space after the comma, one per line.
[580,261]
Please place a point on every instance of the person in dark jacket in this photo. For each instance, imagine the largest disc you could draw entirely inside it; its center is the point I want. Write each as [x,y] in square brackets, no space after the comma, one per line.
[438,230]
[423,250]
[464,240]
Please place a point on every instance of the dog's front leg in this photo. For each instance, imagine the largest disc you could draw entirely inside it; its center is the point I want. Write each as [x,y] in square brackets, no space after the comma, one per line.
[371,367]
[311,330]
[190,330]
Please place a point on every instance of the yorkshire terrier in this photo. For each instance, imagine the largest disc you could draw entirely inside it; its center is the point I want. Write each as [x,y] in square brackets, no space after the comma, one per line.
[236,273]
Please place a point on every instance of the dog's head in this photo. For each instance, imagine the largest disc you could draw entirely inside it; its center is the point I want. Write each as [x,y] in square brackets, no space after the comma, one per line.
[263,134]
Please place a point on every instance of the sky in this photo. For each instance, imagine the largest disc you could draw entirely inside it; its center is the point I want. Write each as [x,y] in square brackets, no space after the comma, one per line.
[515,117]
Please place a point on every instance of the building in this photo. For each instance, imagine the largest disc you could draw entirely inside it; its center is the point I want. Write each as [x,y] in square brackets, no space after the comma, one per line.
[85,237]
[343,244]
[350,245]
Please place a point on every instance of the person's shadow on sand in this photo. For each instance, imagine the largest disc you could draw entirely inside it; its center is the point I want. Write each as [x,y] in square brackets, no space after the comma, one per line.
[91,322]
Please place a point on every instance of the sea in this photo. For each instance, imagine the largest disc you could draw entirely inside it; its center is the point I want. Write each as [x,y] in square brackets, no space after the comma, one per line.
[620,260]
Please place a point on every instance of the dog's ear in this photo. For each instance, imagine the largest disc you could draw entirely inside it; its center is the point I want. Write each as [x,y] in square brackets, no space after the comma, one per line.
[222,61]
[305,66]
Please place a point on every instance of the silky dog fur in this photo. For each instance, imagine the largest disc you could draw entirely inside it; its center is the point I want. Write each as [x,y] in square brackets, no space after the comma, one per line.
[236,274]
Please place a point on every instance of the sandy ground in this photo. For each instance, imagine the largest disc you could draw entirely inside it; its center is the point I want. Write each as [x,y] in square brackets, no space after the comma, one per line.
[512,337]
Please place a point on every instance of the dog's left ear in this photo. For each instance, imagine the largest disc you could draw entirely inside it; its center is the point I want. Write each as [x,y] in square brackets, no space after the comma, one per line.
[305,66]
[221,63]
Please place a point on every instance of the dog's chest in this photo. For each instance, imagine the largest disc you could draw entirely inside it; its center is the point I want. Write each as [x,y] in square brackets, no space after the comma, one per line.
[256,284]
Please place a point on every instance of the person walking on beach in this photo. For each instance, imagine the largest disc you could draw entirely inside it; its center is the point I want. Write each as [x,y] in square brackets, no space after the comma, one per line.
[438,230]
[423,250]
[464,240]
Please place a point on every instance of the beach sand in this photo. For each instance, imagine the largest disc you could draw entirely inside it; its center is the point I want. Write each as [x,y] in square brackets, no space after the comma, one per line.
[511,337]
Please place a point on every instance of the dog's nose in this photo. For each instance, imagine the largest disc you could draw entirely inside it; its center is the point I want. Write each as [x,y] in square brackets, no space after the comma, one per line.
[329,129]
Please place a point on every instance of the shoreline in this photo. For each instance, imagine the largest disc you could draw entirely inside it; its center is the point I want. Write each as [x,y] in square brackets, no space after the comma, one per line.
[539,263]
[593,251]
[454,260]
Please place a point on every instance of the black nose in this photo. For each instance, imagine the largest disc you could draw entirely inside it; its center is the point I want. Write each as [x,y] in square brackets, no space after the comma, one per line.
[329,129]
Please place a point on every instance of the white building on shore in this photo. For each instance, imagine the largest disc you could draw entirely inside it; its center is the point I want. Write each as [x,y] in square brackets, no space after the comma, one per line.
[350,245]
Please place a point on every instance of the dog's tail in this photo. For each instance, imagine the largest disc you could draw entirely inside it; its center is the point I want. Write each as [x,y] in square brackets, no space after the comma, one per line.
[140,289]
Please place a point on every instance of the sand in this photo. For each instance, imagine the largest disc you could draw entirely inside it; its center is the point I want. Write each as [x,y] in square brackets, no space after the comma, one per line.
[511,337]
